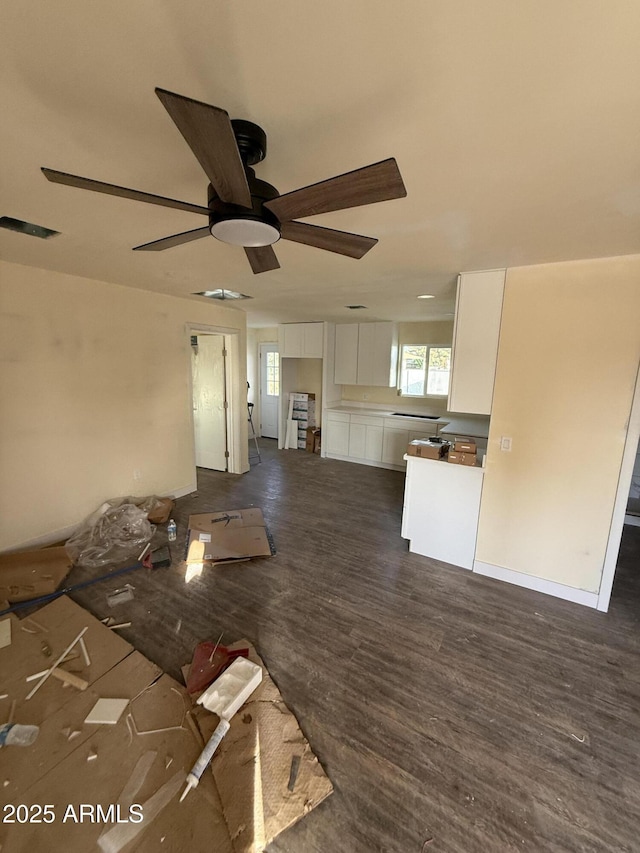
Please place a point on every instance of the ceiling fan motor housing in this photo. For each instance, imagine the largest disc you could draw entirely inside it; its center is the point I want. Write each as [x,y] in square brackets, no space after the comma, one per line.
[245,226]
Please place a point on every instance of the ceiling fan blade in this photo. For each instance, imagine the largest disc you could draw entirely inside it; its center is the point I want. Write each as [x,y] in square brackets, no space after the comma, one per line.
[208,132]
[262,258]
[174,240]
[122,192]
[378,182]
[341,242]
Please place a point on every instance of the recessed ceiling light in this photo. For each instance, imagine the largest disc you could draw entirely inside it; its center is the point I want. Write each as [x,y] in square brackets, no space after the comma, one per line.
[426,296]
[27,228]
[222,294]
[355,307]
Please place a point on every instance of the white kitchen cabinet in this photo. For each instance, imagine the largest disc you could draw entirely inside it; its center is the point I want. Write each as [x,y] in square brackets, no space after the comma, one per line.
[313,340]
[336,434]
[394,445]
[366,354]
[365,438]
[441,510]
[301,340]
[377,354]
[475,341]
[396,440]
[346,354]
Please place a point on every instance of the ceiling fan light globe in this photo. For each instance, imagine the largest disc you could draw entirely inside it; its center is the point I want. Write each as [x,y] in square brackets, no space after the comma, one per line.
[251,233]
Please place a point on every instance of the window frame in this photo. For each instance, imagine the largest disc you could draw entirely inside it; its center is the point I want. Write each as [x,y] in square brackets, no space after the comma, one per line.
[428,348]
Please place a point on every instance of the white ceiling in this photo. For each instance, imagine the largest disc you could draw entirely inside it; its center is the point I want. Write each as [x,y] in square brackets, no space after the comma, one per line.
[516,126]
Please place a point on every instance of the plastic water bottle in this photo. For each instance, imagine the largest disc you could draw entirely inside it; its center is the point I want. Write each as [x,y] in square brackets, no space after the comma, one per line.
[13,734]
[172,530]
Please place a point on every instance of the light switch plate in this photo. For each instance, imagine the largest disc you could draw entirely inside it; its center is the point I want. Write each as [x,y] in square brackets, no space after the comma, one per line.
[505,443]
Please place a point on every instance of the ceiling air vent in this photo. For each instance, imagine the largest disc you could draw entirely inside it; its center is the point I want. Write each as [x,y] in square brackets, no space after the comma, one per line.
[27,228]
[355,307]
[222,294]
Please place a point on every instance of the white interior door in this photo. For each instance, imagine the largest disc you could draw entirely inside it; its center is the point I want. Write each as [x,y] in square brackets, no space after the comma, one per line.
[269,390]
[209,397]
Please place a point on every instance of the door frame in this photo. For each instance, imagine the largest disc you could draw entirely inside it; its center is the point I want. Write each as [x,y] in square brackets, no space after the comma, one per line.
[620,504]
[237,433]
[275,344]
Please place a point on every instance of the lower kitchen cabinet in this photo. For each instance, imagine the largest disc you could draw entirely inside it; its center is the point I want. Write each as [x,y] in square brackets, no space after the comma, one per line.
[336,434]
[355,437]
[441,510]
[365,438]
[395,441]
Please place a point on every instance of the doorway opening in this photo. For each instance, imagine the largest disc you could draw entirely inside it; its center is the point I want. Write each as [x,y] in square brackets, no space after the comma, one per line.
[209,400]
[269,382]
[624,498]
[218,400]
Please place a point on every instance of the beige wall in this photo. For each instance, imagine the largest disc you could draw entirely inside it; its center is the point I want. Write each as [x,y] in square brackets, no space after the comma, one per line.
[94,384]
[434,332]
[309,381]
[567,364]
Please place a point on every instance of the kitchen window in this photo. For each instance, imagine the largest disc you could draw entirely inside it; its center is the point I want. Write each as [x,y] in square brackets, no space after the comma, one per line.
[424,370]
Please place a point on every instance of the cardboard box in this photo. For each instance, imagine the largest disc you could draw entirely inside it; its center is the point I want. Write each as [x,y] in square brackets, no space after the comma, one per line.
[465,445]
[30,574]
[458,458]
[426,449]
[312,443]
[226,537]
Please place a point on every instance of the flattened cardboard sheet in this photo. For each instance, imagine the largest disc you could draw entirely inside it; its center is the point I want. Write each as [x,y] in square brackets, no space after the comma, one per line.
[228,536]
[28,574]
[265,770]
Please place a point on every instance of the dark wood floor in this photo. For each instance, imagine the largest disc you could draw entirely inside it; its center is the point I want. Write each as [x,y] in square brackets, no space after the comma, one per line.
[443,705]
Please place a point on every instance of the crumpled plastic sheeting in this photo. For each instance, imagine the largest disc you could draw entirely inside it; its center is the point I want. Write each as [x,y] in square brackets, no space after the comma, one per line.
[110,536]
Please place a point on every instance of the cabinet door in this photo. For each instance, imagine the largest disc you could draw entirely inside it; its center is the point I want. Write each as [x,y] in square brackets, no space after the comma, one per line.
[373,444]
[337,437]
[313,340]
[475,341]
[346,354]
[384,356]
[357,441]
[394,445]
[366,344]
[292,340]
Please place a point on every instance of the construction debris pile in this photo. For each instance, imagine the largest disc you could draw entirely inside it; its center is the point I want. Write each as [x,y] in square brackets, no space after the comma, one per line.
[98,744]
[117,739]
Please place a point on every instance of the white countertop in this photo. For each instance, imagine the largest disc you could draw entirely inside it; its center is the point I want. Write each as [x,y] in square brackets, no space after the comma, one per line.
[476,426]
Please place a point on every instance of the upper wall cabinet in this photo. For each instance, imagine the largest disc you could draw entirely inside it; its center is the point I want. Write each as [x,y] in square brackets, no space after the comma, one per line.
[301,340]
[475,341]
[366,354]
[346,354]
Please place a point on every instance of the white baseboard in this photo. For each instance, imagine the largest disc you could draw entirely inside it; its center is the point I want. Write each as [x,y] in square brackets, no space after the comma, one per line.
[558,590]
[180,493]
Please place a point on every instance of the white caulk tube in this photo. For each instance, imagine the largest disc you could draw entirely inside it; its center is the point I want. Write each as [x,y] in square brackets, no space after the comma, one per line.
[227,693]
[205,756]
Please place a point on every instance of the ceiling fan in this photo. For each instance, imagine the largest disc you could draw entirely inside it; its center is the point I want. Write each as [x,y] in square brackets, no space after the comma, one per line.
[242,209]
